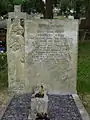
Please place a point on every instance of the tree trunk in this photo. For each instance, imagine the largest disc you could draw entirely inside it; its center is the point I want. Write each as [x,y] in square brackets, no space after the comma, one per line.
[49,9]
[87,24]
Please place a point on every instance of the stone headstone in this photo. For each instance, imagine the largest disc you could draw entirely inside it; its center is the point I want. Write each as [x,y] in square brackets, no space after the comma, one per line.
[51,54]
[17,13]
[16,50]
[70,17]
[17,8]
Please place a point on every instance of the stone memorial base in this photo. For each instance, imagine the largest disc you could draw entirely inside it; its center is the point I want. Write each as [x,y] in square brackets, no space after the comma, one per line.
[38,105]
[60,107]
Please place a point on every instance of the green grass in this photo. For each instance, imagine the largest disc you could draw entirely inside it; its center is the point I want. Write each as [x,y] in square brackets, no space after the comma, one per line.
[3,71]
[3,79]
[83,81]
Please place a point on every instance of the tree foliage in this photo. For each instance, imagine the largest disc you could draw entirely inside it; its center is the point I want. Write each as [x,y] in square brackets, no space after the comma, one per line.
[7,5]
[33,5]
[79,6]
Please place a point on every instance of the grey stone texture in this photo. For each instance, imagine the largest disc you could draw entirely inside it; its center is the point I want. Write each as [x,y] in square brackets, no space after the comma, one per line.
[16,52]
[47,53]
[17,13]
[38,105]
[51,54]
[83,112]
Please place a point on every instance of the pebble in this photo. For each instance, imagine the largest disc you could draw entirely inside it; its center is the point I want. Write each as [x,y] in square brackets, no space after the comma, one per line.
[61,107]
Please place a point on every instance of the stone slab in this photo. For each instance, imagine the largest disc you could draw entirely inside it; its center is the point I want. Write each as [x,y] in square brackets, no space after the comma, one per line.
[15,57]
[51,54]
[81,108]
[16,14]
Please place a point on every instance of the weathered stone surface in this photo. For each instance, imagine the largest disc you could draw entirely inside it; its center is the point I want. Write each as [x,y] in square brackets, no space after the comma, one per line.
[16,53]
[17,8]
[51,54]
[17,13]
[39,104]
[47,53]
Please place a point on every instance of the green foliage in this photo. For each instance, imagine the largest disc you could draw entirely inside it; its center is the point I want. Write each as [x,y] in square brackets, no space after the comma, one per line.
[3,71]
[4,6]
[8,5]
[17,2]
[3,59]
[79,6]
[83,82]
[33,5]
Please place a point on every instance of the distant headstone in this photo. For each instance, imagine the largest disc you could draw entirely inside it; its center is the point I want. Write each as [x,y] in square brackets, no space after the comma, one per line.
[71,17]
[17,13]
[17,8]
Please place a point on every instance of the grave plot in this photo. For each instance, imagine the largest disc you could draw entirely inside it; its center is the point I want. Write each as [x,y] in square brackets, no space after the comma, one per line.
[60,107]
[43,53]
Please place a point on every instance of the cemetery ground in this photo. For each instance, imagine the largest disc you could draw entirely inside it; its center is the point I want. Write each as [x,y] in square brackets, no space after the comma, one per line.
[83,79]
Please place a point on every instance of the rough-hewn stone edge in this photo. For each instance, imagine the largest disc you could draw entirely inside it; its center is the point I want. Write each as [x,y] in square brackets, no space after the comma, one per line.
[4,109]
[83,112]
[61,93]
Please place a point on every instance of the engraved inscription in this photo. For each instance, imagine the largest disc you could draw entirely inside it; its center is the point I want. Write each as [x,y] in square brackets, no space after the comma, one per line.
[51,54]
[50,46]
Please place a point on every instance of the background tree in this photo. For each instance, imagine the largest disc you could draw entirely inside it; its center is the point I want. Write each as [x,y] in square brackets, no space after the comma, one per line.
[4,7]
[87,9]
[80,7]
[8,5]
[32,6]
[40,7]
[49,9]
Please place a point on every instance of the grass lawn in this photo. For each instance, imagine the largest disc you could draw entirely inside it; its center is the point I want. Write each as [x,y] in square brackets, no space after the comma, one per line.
[83,79]
[3,71]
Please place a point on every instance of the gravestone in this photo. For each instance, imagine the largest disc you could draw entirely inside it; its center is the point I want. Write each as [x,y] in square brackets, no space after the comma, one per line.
[15,50]
[71,17]
[51,54]
[17,13]
[51,59]
[43,52]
